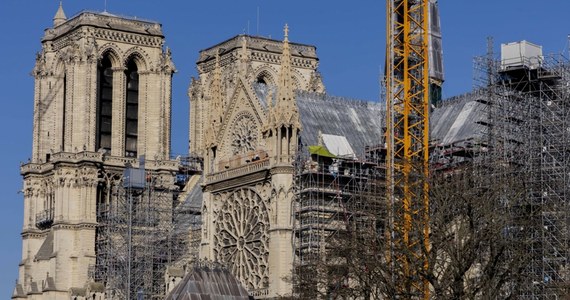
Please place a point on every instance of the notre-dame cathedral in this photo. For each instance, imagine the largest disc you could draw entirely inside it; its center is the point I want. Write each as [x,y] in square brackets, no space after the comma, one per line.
[101,189]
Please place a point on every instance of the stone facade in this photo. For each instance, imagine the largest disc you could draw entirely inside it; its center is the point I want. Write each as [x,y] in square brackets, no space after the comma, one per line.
[245,123]
[102,98]
[253,60]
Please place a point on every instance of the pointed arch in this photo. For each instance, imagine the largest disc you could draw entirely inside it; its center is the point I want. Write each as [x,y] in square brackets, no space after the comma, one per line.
[111,51]
[60,66]
[59,63]
[297,79]
[139,57]
[210,84]
[266,74]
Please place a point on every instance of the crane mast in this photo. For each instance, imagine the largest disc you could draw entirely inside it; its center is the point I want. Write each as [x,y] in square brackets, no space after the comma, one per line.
[407,116]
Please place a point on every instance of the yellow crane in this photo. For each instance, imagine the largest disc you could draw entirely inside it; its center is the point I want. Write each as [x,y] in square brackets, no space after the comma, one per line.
[407,97]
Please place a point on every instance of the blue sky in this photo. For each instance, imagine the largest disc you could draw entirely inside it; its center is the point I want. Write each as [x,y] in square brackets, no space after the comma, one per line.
[349,36]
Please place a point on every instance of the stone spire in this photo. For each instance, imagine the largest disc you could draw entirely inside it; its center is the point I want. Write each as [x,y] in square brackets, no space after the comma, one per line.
[59,17]
[286,105]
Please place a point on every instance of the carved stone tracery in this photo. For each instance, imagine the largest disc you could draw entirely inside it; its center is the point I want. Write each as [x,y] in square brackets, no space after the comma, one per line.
[244,135]
[241,238]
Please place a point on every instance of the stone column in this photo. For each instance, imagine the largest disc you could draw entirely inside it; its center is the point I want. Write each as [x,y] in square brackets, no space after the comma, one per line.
[280,235]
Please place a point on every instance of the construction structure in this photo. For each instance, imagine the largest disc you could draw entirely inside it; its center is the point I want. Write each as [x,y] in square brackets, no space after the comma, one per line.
[515,124]
[337,197]
[407,161]
[529,111]
[288,169]
[137,238]
[340,195]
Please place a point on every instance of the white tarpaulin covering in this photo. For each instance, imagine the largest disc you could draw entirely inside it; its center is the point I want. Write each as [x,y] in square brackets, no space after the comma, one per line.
[338,145]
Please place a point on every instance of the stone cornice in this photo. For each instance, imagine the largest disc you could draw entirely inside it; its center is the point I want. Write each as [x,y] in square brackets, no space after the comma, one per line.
[70,225]
[275,58]
[280,229]
[34,233]
[126,37]
[263,57]
[258,43]
[259,293]
[285,169]
[261,50]
[108,34]
[98,158]
[105,20]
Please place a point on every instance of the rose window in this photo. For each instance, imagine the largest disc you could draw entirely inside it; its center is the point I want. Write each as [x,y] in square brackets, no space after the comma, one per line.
[244,135]
[241,238]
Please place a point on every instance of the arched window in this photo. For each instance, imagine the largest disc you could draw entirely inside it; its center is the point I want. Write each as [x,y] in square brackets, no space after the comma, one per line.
[264,77]
[104,106]
[132,110]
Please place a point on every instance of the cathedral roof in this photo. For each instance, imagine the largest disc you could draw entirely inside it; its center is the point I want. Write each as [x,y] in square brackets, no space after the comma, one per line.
[205,282]
[188,213]
[360,122]
[46,249]
[458,119]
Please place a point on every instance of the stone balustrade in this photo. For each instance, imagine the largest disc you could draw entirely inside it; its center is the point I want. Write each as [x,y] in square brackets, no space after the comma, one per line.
[239,171]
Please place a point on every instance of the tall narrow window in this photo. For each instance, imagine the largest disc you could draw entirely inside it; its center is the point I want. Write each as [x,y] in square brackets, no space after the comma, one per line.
[132,112]
[105,111]
[64,113]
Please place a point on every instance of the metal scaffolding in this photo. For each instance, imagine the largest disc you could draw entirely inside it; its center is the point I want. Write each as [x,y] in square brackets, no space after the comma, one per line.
[137,236]
[528,111]
[334,196]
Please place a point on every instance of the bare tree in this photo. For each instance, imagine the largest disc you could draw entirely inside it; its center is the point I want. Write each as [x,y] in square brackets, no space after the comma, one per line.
[477,247]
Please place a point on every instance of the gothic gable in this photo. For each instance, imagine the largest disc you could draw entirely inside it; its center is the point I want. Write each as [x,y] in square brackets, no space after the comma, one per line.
[244,115]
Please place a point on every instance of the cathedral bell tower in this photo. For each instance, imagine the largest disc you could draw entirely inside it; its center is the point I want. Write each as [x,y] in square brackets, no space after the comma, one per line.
[102,99]
[244,122]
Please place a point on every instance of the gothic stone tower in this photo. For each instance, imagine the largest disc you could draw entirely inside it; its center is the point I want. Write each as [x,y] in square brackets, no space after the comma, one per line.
[102,98]
[245,123]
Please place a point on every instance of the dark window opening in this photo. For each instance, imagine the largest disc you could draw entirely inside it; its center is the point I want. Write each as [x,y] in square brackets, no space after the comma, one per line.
[261,79]
[213,159]
[104,109]
[132,112]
